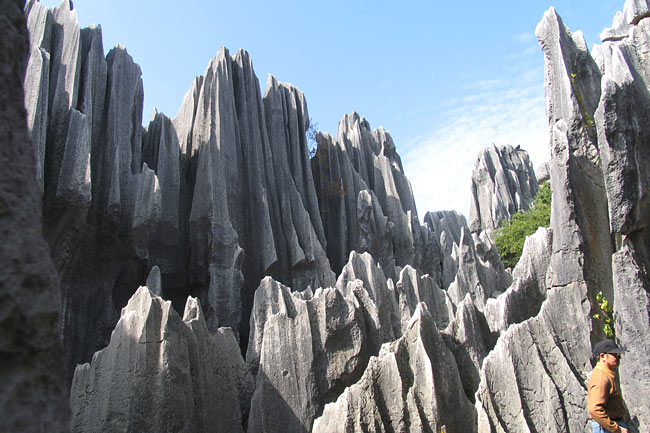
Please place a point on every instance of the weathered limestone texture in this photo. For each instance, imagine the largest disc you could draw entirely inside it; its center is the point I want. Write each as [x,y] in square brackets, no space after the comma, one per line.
[366,201]
[222,213]
[412,385]
[159,373]
[599,164]
[217,198]
[306,348]
[528,290]
[473,256]
[34,391]
[535,378]
[503,183]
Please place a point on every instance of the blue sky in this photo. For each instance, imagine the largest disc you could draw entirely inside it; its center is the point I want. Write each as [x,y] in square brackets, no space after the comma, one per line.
[445,78]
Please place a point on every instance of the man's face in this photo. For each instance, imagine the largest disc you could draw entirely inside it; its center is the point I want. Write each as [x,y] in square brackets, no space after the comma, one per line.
[611,360]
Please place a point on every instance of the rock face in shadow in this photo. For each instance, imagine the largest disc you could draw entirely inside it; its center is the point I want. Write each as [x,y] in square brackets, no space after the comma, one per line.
[34,393]
[503,183]
[158,363]
[596,105]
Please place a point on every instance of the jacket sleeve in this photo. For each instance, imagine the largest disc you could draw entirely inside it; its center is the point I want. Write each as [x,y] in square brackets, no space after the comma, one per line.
[597,396]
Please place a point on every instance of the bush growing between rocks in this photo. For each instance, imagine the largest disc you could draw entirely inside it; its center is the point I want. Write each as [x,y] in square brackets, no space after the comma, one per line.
[510,238]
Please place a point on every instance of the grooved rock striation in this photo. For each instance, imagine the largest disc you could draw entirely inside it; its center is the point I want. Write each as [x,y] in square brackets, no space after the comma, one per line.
[34,392]
[503,183]
[595,106]
[221,212]
[366,201]
[412,385]
[120,199]
[158,363]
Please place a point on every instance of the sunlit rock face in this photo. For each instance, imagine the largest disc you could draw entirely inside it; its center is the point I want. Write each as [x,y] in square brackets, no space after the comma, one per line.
[596,104]
[412,385]
[34,392]
[366,201]
[217,198]
[503,183]
[222,204]
[161,373]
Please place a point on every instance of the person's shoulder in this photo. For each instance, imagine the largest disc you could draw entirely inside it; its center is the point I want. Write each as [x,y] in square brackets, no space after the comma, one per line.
[598,378]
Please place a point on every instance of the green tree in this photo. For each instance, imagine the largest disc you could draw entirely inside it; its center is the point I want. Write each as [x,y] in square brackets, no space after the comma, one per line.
[510,238]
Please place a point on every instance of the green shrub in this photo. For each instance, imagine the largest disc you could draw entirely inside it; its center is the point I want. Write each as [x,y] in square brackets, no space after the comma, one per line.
[606,315]
[510,238]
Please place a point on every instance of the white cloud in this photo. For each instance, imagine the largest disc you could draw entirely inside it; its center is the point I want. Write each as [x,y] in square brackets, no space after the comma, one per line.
[507,111]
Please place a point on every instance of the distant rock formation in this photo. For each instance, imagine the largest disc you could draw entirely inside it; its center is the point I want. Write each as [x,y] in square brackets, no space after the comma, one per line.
[503,183]
[366,201]
[34,395]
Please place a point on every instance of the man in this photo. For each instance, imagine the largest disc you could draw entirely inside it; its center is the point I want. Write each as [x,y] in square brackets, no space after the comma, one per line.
[604,399]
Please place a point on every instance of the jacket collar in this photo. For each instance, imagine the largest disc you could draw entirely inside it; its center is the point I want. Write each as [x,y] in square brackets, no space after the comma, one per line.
[601,366]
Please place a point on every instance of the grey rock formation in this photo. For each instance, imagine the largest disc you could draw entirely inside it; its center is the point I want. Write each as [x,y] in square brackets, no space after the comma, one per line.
[469,263]
[366,201]
[633,12]
[120,199]
[543,172]
[595,105]
[34,392]
[224,196]
[524,297]
[503,183]
[159,373]
[414,288]
[412,385]
[305,347]
[547,356]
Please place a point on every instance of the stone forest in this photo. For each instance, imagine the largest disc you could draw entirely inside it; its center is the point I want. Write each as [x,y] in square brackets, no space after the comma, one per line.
[205,273]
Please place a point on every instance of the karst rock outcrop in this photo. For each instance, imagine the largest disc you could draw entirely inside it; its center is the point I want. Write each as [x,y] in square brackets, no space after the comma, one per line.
[503,183]
[214,277]
[598,106]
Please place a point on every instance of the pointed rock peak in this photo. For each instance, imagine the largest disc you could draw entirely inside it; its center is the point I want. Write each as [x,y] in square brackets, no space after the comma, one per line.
[243,58]
[222,54]
[193,310]
[154,114]
[550,18]
[154,281]
[140,301]
[67,6]
[420,316]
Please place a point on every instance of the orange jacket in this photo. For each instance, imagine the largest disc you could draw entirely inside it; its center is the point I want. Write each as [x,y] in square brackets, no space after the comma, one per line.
[604,399]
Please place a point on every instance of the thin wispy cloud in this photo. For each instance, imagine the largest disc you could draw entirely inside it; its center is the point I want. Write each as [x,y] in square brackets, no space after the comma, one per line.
[501,111]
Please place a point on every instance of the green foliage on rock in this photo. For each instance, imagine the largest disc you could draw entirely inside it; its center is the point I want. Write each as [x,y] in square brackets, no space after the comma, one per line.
[606,315]
[510,238]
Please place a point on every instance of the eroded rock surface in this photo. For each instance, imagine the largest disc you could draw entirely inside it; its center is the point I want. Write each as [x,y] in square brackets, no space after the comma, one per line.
[599,241]
[223,203]
[34,391]
[503,183]
[366,201]
[412,385]
[160,373]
